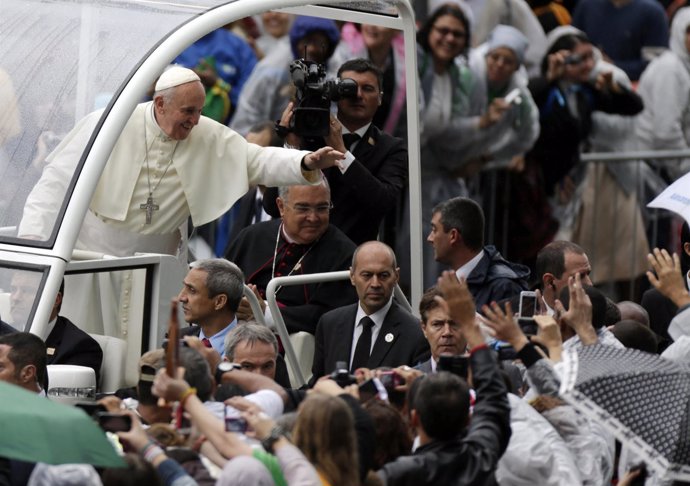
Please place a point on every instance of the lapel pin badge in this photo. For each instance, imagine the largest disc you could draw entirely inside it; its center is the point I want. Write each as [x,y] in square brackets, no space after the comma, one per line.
[389,337]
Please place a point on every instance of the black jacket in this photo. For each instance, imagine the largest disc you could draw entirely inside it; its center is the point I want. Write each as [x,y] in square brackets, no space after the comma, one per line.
[471,458]
[495,278]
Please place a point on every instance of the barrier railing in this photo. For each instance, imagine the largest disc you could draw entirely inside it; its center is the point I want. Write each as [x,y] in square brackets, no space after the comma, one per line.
[279,322]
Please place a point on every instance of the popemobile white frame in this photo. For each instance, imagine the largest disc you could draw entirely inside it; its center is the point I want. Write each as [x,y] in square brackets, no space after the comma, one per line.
[133,90]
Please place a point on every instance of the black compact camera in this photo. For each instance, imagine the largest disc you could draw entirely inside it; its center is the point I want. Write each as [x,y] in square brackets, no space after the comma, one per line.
[573,59]
[341,375]
[114,422]
[311,115]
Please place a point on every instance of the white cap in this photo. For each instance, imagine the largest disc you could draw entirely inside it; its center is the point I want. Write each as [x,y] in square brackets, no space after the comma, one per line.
[175,76]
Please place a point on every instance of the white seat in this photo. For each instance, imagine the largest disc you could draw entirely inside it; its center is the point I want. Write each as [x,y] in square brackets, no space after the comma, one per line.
[113,366]
[71,383]
[304,345]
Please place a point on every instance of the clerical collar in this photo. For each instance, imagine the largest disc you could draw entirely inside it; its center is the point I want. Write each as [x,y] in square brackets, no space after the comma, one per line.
[286,237]
[153,124]
[298,265]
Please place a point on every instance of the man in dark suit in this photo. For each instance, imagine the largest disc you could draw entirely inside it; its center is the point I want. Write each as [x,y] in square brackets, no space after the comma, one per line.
[6,328]
[374,172]
[67,344]
[301,242]
[376,331]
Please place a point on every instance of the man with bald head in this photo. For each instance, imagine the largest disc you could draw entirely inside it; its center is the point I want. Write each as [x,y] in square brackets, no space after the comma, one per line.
[556,263]
[376,331]
[634,312]
[169,163]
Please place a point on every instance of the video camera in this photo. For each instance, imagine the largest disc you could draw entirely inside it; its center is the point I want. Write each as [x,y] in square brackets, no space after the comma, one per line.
[312,111]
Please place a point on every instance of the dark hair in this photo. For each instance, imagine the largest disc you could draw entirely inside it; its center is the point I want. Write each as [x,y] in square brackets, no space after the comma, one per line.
[635,335]
[61,291]
[392,435]
[613,313]
[27,349]
[599,304]
[551,258]
[442,401]
[197,372]
[222,277]
[428,302]
[466,216]
[362,65]
[684,257]
[565,42]
[447,9]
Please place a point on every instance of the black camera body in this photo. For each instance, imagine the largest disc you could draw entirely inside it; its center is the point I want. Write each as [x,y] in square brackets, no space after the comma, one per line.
[341,375]
[311,117]
[573,59]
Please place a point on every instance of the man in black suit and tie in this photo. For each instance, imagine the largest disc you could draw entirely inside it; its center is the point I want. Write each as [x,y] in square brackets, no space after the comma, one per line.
[67,344]
[373,173]
[6,328]
[376,331]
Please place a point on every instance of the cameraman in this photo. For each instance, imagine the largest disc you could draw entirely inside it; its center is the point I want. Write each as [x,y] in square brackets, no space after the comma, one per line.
[374,171]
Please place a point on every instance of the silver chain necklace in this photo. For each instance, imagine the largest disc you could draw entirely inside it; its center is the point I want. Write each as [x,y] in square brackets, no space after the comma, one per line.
[150,206]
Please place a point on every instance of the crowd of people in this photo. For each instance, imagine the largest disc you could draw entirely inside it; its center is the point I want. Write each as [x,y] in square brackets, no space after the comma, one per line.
[464,394]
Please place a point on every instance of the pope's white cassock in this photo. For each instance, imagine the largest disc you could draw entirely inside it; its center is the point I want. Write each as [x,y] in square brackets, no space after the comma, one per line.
[202,176]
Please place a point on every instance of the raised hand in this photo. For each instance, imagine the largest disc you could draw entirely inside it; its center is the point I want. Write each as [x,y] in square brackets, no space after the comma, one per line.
[503,325]
[579,314]
[457,302]
[668,279]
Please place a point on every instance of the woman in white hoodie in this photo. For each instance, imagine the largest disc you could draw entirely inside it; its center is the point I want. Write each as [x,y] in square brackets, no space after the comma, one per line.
[664,86]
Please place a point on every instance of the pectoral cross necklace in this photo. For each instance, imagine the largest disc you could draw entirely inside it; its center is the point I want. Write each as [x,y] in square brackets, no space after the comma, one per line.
[150,205]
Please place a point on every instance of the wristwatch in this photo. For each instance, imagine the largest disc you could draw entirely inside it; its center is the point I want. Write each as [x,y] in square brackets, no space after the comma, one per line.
[276,433]
[223,367]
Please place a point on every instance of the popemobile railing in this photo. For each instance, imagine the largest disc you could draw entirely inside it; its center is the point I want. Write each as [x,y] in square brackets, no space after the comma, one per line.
[297,374]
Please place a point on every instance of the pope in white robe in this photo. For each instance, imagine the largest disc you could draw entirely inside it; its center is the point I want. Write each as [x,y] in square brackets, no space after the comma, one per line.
[169,163]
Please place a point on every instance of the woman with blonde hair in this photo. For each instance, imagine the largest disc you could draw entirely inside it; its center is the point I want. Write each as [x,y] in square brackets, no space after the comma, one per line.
[325,433]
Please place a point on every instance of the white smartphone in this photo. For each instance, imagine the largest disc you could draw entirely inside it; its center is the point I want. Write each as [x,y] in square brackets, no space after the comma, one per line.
[528,304]
[513,97]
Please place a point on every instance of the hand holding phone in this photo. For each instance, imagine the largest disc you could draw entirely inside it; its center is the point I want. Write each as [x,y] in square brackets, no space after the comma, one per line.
[114,422]
[91,408]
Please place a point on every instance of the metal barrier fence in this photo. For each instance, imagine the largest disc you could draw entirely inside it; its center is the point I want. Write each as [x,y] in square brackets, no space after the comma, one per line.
[640,175]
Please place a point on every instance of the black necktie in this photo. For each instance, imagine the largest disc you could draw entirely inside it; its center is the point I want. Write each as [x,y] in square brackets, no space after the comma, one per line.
[363,348]
[349,139]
